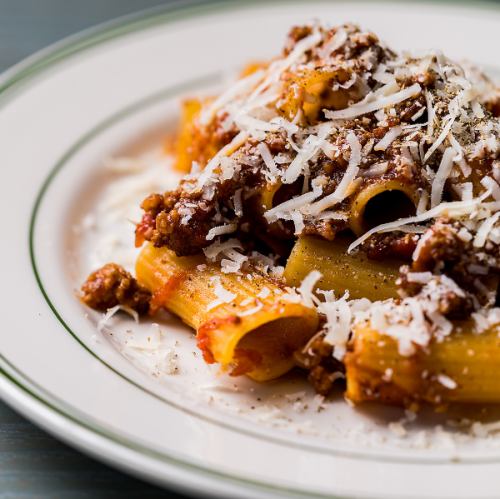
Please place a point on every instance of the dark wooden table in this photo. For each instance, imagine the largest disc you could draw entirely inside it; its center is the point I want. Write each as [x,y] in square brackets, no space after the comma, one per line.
[32,463]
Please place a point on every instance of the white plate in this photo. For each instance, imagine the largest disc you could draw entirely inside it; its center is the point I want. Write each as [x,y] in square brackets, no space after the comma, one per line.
[114,91]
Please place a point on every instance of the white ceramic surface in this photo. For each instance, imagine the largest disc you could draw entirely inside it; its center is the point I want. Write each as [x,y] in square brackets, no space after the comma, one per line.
[114,92]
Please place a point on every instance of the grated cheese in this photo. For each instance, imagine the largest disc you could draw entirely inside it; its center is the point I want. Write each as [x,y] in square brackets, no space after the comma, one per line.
[446,381]
[104,320]
[220,230]
[388,138]
[228,149]
[441,176]
[453,208]
[340,192]
[268,159]
[307,287]
[296,167]
[334,43]
[252,311]
[381,103]
[240,87]
[493,186]
[293,204]
[222,294]
[237,203]
[338,324]
[477,109]
[212,251]
[484,230]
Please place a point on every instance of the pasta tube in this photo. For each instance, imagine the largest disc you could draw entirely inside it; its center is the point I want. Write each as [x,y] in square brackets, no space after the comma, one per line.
[310,91]
[200,143]
[380,202]
[462,368]
[194,143]
[341,272]
[245,325]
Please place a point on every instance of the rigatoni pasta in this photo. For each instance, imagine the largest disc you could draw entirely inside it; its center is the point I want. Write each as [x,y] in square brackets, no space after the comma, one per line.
[463,367]
[354,274]
[246,325]
[382,201]
[342,214]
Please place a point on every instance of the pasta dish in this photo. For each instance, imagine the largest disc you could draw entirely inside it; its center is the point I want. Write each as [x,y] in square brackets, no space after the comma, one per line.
[339,213]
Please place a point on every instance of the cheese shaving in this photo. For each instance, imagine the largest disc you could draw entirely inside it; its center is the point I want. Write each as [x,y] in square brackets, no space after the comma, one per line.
[493,186]
[220,230]
[222,294]
[212,251]
[453,208]
[268,159]
[381,103]
[104,320]
[295,203]
[334,43]
[441,176]
[338,324]
[388,138]
[307,287]
[340,192]
[239,88]
[214,162]
[484,230]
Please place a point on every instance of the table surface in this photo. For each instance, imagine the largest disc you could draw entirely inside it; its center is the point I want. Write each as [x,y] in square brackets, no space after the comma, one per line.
[32,463]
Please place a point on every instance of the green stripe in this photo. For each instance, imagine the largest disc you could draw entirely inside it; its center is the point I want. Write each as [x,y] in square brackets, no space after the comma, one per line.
[35,391]
[33,66]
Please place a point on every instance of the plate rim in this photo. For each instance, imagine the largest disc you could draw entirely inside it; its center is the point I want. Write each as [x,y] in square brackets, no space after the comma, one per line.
[18,393]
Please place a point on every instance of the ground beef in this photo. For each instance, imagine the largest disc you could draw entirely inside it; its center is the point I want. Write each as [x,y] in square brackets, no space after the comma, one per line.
[112,285]
[181,219]
[390,245]
[450,304]
[439,244]
[442,251]
[326,229]
[323,368]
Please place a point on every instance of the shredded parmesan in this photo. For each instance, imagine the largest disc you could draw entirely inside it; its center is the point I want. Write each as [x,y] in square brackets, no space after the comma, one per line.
[493,186]
[222,294]
[340,192]
[220,230]
[381,103]
[306,288]
[212,251]
[214,162]
[268,159]
[441,176]
[240,87]
[446,381]
[484,230]
[293,204]
[253,310]
[296,167]
[388,138]
[334,43]
[338,324]
[453,208]
[104,320]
